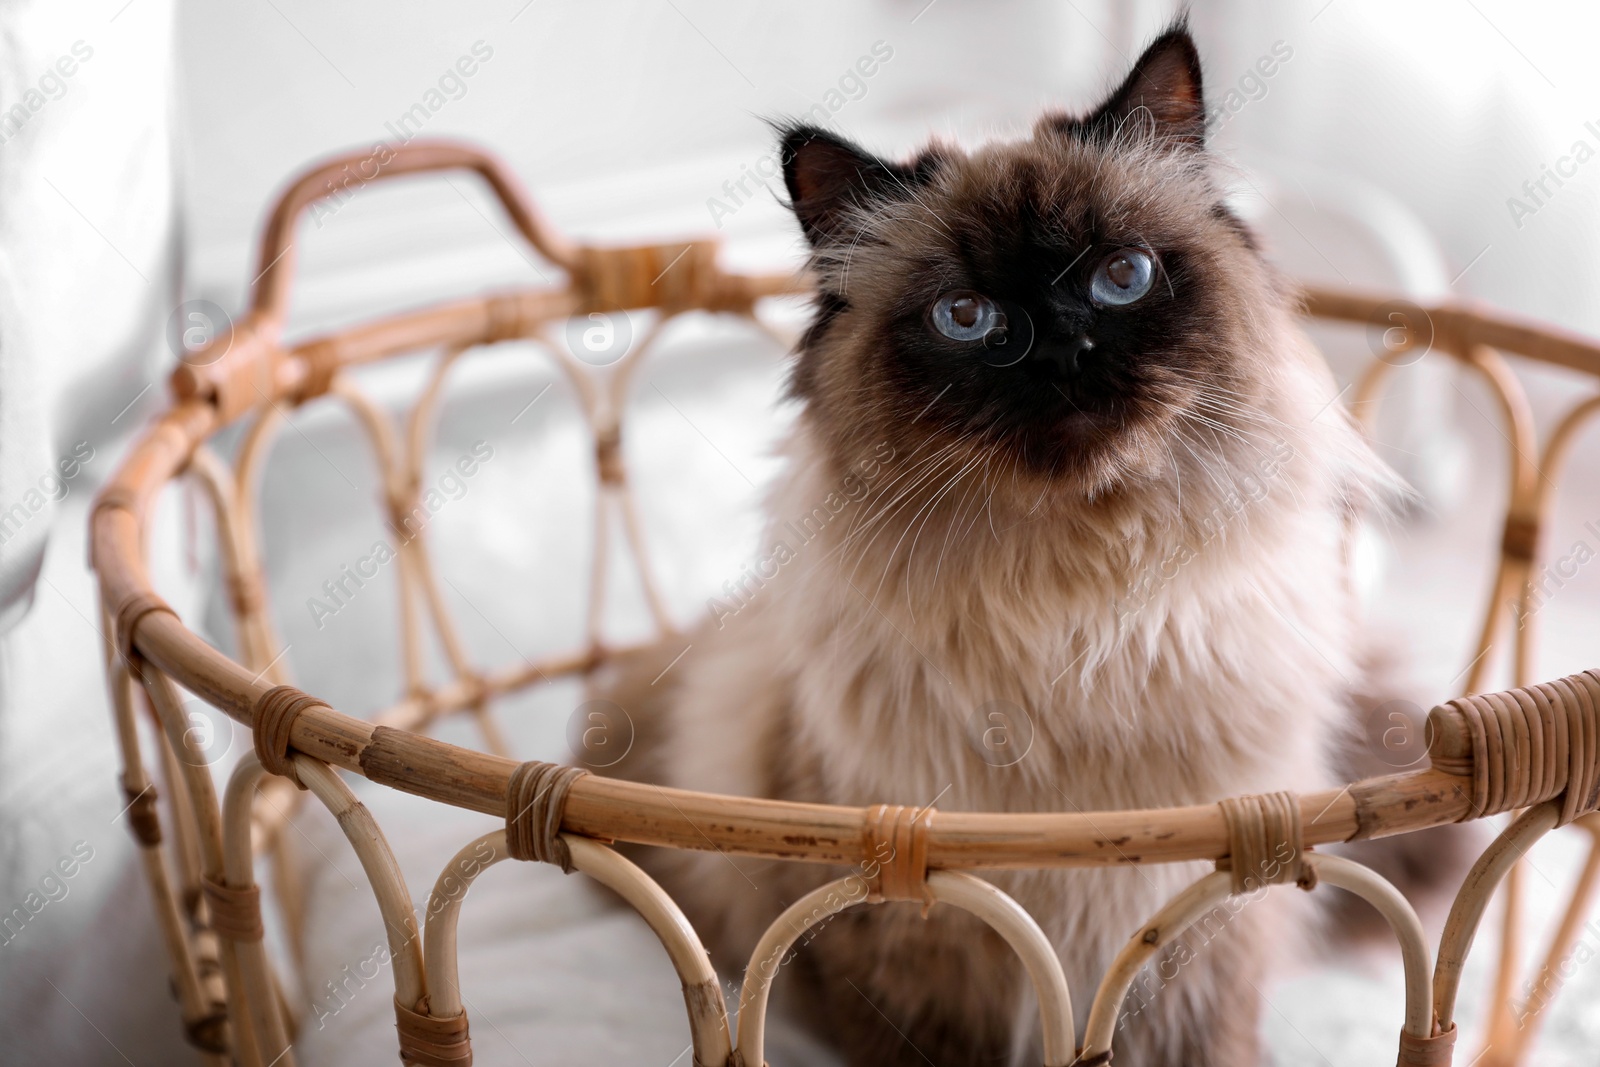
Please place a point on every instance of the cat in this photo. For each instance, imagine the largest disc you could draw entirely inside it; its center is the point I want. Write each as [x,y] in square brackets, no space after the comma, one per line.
[1062,455]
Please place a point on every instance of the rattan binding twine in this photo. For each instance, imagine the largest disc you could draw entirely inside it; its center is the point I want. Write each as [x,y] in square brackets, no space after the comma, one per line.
[1265,844]
[235,910]
[1529,745]
[1434,1051]
[275,713]
[134,607]
[142,814]
[534,806]
[430,1042]
[896,841]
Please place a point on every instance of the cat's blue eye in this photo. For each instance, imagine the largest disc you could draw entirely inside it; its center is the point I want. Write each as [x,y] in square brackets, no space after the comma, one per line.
[1123,277]
[966,316]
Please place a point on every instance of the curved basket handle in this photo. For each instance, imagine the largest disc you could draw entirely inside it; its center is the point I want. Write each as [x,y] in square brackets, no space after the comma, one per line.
[270,297]
[239,367]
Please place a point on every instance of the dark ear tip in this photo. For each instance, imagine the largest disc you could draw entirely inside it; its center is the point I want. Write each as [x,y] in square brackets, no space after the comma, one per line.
[1177,39]
[795,137]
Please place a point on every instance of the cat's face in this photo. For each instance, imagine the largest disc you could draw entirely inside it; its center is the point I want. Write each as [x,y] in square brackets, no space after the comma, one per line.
[1064,309]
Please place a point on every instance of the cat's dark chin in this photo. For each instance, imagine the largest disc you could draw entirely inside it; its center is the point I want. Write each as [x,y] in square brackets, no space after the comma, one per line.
[1077,447]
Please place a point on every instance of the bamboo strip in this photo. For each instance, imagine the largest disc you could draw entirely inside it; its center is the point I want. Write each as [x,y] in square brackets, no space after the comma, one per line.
[1003,914]
[383,873]
[193,1001]
[1402,918]
[1462,925]
[238,860]
[1167,926]
[203,804]
[708,1014]
[1510,1037]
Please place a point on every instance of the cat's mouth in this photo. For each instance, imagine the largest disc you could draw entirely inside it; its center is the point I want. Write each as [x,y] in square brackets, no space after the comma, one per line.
[1078,436]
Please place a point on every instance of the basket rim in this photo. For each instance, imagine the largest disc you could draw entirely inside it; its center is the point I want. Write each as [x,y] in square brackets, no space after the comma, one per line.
[256,368]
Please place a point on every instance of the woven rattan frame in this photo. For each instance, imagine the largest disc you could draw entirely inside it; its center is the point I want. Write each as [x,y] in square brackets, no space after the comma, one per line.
[1533,749]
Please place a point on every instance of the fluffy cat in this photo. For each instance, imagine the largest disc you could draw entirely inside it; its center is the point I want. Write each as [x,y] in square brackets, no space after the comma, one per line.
[1063,455]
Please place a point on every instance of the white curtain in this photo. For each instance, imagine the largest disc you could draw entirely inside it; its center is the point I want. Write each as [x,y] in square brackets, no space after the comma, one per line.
[87,270]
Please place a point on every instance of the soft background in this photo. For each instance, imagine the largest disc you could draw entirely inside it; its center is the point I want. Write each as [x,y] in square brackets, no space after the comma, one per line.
[1381,153]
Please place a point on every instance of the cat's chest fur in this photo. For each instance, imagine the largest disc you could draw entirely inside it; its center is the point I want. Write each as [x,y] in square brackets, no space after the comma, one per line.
[995,668]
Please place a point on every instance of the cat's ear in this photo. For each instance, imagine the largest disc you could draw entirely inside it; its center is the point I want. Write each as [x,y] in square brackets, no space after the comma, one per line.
[1163,94]
[828,176]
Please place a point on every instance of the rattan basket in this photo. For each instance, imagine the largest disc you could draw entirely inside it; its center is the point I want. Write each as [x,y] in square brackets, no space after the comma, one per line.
[1531,750]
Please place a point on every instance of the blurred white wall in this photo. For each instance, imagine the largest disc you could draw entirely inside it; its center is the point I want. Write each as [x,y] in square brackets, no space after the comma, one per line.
[1447,107]
[1450,107]
[601,108]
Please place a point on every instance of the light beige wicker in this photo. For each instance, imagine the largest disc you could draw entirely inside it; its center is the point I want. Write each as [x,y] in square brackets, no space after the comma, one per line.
[1533,749]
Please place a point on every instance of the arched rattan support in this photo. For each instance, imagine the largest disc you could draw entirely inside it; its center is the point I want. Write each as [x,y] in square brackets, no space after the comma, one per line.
[1402,919]
[1527,510]
[397,491]
[241,572]
[419,430]
[202,1004]
[602,399]
[1520,541]
[1467,911]
[957,888]
[248,470]
[1556,452]
[708,1013]
[238,865]
[1169,923]
[1511,1034]
[411,461]
[1523,513]
[1211,890]
[233,493]
[400,457]
[383,873]
[202,793]
[1368,393]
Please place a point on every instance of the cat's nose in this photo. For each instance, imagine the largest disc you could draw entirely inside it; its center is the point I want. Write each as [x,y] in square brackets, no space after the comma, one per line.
[1064,354]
